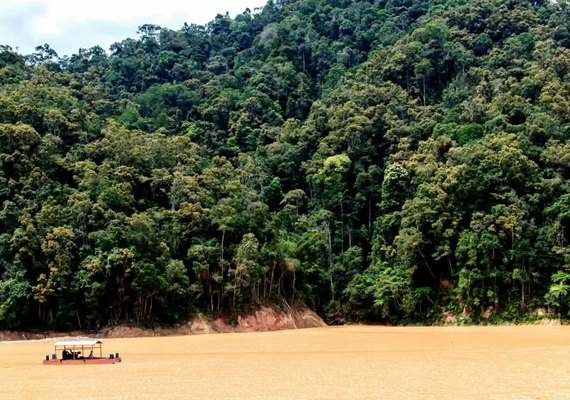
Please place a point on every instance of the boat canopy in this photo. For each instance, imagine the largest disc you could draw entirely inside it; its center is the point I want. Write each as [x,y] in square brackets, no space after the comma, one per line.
[77,343]
[80,351]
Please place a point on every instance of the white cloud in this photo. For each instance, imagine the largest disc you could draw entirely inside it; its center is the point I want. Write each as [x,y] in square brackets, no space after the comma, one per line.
[67,25]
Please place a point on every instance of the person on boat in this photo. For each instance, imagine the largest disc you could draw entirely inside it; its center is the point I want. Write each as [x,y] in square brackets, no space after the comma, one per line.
[90,355]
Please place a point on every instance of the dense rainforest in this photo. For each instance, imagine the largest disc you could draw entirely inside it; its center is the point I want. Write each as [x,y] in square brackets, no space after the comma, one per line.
[382,161]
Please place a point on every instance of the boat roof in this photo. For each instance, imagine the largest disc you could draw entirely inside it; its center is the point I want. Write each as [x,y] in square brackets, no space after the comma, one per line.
[78,343]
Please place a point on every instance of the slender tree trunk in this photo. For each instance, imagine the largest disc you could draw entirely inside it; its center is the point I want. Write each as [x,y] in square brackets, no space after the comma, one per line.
[294,281]
[211,295]
[272,277]
[426,263]
[424,85]
[341,227]
[369,216]
[222,252]
[522,288]
[329,237]
[221,294]
[235,287]
[280,288]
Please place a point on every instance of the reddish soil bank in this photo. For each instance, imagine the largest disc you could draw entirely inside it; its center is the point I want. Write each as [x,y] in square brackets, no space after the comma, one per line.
[262,320]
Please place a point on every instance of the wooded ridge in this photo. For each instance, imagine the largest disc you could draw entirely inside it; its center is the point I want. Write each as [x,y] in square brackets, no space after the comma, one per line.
[381,161]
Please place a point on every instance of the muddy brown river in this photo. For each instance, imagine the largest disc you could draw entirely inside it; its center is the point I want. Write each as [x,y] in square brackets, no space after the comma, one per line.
[352,362]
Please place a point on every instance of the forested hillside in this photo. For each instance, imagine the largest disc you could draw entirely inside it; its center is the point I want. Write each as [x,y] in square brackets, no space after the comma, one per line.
[380,160]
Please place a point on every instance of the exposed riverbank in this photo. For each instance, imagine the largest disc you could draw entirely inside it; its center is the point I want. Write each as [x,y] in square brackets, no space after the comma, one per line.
[262,320]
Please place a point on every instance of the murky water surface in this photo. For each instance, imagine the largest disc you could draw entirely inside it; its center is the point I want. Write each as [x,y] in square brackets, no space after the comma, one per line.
[355,362]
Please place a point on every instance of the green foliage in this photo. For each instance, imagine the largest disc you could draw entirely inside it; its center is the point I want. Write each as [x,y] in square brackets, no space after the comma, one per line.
[559,291]
[380,161]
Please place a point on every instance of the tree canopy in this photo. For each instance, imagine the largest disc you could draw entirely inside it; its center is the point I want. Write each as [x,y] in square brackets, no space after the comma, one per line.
[384,161]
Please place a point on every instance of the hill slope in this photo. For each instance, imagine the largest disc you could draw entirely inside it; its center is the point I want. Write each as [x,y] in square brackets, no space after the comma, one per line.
[379,160]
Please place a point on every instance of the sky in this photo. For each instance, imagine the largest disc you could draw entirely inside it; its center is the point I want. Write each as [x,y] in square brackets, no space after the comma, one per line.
[67,25]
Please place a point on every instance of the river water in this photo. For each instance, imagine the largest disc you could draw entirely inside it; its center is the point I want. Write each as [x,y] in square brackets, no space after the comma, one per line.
[351,362]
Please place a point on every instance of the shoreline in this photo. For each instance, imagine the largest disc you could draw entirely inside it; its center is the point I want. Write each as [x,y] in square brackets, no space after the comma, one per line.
[263,320]
[189,328]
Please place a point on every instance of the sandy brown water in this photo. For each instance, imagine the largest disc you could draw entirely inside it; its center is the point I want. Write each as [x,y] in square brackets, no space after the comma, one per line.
[353,362]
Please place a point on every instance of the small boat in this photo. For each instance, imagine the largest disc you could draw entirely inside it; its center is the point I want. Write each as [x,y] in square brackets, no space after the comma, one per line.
[80,352]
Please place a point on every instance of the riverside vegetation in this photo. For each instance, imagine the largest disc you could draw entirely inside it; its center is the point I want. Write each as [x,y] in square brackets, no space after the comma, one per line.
[381,161]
